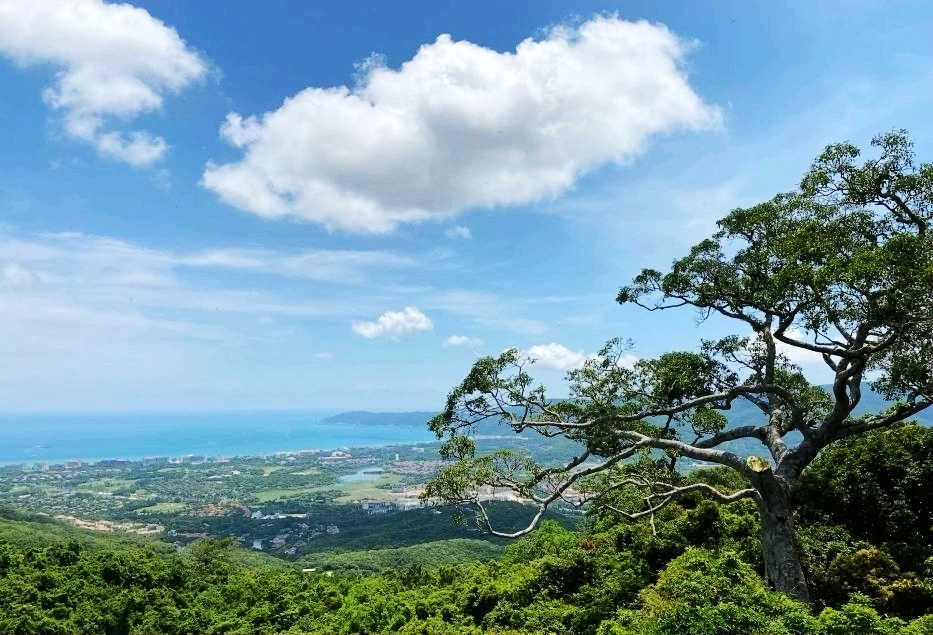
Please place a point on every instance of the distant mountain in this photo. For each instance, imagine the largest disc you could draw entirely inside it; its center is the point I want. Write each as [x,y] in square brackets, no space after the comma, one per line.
[743,412]
[357,417]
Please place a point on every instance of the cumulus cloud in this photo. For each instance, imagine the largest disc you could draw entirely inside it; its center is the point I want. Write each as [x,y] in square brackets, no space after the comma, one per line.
[556,356]
[115,62]
[460,126]
[462,340]
[560,357]
[458,231]
[394,324]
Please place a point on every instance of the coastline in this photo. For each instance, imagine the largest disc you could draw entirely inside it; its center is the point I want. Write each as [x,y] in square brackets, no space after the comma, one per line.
[54,439]
[194,458]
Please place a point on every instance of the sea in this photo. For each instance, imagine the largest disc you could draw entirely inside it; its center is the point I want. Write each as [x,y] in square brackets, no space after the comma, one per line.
[53,438]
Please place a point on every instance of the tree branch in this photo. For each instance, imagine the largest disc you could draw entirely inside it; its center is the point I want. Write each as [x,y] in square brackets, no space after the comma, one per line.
[667,496]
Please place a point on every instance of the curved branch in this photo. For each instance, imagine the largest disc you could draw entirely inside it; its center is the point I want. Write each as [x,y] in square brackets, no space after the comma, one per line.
[708,455]
[557,492]
[900,414]
[742,432]
[668,495]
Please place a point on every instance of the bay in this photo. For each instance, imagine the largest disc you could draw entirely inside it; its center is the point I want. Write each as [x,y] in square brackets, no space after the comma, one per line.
[57,437]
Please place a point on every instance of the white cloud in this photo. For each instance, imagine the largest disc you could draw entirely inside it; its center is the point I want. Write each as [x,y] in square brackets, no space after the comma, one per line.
[115,62]
[628,360]
[556,356]
[80,278]
[14,275]
[458,231]
[461,126]
[806,359]
[331,265]
[485,309]
[462,340]
[67,251]
[560,357]
[394,324]
[324,356]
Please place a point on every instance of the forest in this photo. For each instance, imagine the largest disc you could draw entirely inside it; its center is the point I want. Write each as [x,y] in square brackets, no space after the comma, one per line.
[699,572]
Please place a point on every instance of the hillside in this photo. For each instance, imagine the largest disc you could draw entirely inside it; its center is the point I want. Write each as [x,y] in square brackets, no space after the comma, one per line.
[696,571]
[426,554]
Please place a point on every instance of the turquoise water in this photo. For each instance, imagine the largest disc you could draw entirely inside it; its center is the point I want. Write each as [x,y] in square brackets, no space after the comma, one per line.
[27,438]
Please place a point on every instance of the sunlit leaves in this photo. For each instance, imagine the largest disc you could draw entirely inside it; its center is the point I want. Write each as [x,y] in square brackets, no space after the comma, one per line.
[838,271]
[846,259]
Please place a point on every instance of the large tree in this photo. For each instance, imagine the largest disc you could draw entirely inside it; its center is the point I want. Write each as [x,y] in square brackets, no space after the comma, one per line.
[841,268]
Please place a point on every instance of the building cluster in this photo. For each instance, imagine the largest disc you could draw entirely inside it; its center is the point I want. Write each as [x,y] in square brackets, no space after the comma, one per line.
[379,506]
[145,529]
[291,540]
[258,515]
[418,468]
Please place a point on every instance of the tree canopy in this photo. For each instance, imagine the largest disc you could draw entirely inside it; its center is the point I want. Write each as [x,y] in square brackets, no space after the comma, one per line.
[841,267]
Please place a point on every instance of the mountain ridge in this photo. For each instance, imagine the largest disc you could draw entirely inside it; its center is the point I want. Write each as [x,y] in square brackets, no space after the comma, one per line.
[742,410]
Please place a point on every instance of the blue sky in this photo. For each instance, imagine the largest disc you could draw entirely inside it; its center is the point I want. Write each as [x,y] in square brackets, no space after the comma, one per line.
[292,205]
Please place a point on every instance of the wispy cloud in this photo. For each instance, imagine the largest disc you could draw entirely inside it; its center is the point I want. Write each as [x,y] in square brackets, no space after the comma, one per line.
[55,286]
[458,231]
[487,309]
[462,340]
[143,265]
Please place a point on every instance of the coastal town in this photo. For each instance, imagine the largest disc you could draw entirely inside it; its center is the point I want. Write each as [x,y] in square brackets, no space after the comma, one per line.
[287,504]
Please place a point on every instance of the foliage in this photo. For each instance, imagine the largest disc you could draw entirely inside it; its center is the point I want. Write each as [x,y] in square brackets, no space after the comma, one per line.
[698,574]
[880,487]
[704,593]
[426,554]
[841,267]
[867,517]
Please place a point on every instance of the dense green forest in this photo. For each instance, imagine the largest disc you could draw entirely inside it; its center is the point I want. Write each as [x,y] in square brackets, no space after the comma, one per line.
[699,573]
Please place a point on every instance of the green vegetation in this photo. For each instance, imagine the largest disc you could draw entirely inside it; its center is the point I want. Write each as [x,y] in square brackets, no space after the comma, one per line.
[698,572]
[162,508]
[841,267]
[110,485]
[425,554]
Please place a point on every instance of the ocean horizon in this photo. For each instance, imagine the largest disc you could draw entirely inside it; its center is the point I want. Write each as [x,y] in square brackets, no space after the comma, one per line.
[55,437]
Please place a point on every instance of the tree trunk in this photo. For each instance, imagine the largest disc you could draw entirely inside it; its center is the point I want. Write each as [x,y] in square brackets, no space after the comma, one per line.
[782,563]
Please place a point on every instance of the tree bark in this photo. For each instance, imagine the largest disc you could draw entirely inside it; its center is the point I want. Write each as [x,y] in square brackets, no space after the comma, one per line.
[783,570]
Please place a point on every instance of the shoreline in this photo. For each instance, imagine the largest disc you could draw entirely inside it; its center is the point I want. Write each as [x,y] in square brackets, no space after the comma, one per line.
[29,440]
[178,459]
